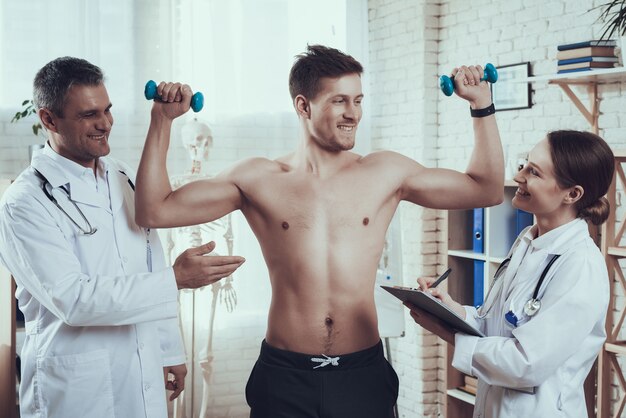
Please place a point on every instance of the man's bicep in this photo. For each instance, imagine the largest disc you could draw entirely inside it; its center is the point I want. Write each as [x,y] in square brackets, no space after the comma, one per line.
[441,188]
[203,201]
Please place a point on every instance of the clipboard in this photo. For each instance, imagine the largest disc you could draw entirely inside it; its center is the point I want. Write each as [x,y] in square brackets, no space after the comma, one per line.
[432,305]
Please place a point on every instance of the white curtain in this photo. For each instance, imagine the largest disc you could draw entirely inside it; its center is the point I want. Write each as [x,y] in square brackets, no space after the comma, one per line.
[240,51]
[36,31]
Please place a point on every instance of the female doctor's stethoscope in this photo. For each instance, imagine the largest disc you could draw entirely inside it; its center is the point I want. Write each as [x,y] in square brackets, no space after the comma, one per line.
[531,307]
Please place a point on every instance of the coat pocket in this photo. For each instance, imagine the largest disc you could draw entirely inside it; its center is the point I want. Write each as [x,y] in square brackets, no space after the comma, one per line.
[76,385]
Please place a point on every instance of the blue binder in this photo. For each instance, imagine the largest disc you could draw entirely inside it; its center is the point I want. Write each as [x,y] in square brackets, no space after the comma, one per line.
[478,239]
[479,270]
[522,220]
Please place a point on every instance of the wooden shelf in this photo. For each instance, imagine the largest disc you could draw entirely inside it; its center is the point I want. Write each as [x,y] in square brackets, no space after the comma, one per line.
[616,347]
[461,395]
[467,254]
[496,260]
[617,251]
[598,76]
[619,153]
[589,79]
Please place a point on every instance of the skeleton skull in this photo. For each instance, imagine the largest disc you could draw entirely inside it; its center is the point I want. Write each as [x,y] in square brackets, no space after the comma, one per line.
[197,139]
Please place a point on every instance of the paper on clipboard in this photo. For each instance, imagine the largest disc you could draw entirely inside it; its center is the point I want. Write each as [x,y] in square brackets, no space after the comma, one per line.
[432,305]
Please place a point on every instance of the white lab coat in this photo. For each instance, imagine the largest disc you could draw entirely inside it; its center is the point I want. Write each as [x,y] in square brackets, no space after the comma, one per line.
[552,351]
[99,327]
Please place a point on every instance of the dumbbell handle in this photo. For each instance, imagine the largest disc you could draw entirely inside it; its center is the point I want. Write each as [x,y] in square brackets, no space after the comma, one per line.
[446,84]
[150,92]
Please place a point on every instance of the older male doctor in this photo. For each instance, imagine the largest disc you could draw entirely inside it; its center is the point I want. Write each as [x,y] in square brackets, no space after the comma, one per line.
[99,304]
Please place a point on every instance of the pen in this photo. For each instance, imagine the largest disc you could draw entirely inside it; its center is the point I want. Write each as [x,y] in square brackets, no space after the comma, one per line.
[443,277]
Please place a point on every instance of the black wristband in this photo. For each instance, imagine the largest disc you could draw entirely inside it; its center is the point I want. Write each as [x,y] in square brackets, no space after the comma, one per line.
[485,111]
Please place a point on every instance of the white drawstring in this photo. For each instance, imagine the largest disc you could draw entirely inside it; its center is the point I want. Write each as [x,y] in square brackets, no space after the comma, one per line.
[325,361]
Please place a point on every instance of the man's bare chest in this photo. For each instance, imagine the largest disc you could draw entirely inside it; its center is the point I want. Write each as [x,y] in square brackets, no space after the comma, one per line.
[290,201]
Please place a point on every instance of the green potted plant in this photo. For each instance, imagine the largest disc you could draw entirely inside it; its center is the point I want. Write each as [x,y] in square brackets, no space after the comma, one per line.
[28,109]
[613,14]
[614,17]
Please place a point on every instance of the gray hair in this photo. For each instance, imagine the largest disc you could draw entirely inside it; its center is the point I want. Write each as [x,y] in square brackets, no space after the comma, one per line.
[55,79]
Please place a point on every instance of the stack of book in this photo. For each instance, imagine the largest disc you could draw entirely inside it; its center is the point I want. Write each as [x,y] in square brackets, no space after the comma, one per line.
[586,56]
[470,384]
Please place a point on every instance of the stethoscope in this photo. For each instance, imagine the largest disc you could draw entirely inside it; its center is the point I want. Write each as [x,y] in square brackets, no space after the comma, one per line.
[532,306]
[90,230]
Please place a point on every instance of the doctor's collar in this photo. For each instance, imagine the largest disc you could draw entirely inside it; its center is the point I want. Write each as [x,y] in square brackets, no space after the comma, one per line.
[60,171]
[554,239]
[73,168]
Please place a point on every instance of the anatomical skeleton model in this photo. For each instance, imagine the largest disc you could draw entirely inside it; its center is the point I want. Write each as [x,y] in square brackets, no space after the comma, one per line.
[198,140]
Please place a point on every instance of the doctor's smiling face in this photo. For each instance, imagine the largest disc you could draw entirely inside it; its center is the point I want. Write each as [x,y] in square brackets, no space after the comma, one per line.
[81,132]
[539,191]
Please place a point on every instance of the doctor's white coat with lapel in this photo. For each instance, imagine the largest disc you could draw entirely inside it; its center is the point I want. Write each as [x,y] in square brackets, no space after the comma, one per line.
[99,326]
[553,350]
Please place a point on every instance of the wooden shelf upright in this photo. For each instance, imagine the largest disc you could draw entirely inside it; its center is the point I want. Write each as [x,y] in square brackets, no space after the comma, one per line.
[614,250]
[8,399]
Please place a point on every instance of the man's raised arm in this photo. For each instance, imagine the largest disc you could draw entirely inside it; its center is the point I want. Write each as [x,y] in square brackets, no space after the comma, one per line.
[483,182]
[157,205]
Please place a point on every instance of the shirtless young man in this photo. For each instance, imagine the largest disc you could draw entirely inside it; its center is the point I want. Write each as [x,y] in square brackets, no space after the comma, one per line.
[320,214]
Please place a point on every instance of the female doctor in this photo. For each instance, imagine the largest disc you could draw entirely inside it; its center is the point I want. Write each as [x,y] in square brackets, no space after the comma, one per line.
[544,315]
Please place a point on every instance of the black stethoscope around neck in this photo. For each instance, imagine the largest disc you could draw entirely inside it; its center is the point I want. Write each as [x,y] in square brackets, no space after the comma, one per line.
[533,305]
[90,230]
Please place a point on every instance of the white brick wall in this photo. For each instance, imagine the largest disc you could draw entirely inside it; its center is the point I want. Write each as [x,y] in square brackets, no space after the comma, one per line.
[403,67]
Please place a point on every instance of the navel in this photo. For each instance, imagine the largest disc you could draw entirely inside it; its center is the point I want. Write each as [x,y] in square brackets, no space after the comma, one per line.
[366,221]
[328,344]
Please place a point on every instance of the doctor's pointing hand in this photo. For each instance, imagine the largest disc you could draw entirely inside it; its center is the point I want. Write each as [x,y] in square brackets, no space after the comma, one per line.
[194,268]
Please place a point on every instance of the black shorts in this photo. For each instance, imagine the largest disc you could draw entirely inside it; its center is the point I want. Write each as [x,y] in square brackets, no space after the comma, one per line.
[294,385]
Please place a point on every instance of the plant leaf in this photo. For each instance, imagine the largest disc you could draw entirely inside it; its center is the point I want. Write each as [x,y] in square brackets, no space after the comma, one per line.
[613,16]
[36,128]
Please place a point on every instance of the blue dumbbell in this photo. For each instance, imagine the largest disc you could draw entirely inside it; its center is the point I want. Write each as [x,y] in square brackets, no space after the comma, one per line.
[197,100]
[446,84]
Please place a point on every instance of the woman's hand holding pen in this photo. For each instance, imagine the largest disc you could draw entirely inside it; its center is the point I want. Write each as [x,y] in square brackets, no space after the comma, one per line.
[431,322]
[427,284]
